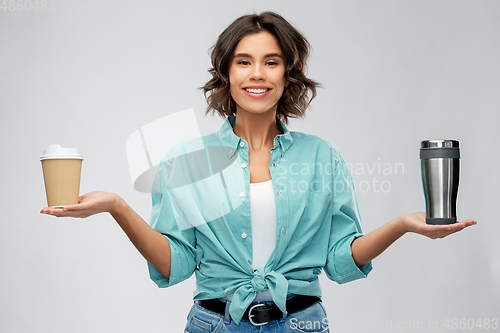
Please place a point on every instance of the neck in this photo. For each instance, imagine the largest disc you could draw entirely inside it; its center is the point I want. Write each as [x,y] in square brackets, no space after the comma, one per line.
[258,130]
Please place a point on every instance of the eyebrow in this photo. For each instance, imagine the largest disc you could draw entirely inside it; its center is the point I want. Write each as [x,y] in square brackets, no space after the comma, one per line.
[246,55]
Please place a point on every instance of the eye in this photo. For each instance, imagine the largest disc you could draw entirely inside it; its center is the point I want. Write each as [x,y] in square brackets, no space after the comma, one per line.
[272,63]
[243,62]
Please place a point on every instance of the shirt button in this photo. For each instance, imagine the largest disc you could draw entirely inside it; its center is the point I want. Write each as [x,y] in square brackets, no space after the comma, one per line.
[242,194]
[274,164]
[281,194]
[243,165]
[282,231]
[242,144]
[244,235]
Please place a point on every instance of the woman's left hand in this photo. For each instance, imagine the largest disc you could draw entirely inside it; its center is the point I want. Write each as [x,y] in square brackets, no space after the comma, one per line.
[415,222]
[368,247]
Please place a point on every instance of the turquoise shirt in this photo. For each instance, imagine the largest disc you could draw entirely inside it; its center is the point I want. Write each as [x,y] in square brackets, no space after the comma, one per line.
[201,204]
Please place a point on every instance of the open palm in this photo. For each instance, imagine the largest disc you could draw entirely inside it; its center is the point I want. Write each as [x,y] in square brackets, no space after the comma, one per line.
[415,222]
[89,204]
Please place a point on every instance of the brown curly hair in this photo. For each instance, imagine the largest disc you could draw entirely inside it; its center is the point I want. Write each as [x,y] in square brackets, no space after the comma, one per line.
[295,48]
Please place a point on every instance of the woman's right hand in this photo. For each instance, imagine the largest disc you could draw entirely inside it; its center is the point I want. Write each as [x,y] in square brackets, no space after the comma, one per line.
[151,244]
[89,204]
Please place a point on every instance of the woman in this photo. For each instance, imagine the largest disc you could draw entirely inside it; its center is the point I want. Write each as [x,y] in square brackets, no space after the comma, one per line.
[258,233]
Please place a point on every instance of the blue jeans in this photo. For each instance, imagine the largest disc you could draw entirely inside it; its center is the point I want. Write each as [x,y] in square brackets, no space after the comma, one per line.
[310,319]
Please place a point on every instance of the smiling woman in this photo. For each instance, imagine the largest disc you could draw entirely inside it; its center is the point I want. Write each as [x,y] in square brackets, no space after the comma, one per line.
[256,77]
[287,50]
[256,245]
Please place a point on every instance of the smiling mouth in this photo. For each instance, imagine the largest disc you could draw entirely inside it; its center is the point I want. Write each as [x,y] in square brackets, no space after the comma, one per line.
[256,91]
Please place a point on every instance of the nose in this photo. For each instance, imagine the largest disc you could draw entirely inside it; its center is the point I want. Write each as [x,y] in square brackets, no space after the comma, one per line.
[256,73]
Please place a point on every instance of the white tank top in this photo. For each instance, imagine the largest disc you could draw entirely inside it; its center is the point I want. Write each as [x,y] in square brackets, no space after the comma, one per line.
[263,220]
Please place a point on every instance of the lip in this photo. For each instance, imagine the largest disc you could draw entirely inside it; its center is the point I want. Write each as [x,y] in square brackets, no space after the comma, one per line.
[254,95]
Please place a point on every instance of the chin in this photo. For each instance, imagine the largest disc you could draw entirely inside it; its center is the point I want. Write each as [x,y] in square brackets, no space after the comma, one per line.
[257,111]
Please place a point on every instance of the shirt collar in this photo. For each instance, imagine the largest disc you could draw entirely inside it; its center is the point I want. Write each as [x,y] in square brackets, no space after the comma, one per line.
[229,139]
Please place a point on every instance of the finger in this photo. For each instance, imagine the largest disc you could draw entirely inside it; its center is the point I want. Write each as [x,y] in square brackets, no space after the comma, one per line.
[462,225]
[78,207]
[456,227]
[48,210]
[54,211]
[69,208]
[468,222]
[437,228]
[451,227]
[63,213]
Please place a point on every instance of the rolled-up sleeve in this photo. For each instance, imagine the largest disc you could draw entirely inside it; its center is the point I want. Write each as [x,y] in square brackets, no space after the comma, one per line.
[346,226]
[182,242]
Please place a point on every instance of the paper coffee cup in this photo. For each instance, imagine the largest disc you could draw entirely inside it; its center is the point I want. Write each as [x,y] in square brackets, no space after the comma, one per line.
[61,173]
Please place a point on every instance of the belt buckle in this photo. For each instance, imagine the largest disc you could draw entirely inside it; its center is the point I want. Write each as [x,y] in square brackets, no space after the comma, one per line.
[250,315]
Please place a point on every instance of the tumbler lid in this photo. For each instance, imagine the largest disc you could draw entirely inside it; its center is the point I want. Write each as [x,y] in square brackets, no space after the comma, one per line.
[439,143]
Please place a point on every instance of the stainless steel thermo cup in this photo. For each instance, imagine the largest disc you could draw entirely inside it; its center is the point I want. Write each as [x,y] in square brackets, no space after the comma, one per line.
[440,163]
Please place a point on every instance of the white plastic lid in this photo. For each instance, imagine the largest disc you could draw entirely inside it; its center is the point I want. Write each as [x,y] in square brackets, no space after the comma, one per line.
[58,152]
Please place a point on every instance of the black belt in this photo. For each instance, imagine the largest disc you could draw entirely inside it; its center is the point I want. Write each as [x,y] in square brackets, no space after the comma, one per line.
[260,314]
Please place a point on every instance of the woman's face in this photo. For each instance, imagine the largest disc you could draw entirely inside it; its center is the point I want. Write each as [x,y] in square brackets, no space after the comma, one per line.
[257,74]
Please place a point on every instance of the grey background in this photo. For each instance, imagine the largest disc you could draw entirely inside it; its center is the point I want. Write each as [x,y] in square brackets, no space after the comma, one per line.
[88,73]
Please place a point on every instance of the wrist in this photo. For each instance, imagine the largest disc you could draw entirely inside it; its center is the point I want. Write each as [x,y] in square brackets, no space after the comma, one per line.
[117,204]
[400,225]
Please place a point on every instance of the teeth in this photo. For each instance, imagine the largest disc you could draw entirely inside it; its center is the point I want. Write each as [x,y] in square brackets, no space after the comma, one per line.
[256,91]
